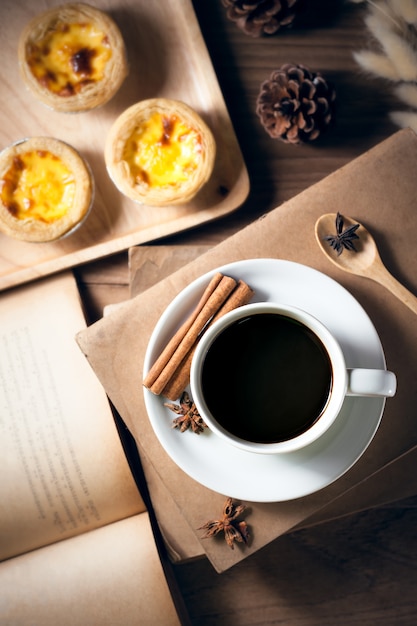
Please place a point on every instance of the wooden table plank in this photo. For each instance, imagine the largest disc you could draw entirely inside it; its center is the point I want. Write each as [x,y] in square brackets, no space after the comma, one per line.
[357,570]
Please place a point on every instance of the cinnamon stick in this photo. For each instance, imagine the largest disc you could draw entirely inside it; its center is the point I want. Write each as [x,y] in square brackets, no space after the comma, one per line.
[178,382]
[173,344]
[241,295]
[212,305]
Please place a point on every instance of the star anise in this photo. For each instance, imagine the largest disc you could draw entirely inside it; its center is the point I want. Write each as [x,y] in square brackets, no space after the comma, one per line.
[344,238]
[233,529]
[188,416]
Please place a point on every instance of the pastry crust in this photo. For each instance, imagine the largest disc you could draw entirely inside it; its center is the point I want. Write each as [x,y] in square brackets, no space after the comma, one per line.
[46,189]
[160,152]
[72,57]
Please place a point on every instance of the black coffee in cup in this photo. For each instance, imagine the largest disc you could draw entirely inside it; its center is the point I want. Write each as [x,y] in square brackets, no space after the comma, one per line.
[266,378]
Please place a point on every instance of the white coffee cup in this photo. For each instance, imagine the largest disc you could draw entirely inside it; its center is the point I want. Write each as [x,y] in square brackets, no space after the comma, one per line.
[296,374]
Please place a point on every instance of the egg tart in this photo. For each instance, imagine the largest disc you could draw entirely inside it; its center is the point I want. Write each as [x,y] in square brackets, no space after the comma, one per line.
[46,189]
[160,152]
[72,57]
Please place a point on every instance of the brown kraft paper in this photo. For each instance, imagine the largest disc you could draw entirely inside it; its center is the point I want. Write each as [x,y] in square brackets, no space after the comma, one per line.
[379,189]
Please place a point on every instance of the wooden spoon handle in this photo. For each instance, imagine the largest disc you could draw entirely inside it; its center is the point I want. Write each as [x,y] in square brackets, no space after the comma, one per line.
[383,277]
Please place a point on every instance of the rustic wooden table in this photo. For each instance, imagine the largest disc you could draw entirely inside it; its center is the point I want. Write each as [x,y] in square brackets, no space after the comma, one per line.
[360,569]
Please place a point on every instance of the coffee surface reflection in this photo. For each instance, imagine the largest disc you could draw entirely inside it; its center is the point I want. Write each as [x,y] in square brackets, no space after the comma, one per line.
[266,378]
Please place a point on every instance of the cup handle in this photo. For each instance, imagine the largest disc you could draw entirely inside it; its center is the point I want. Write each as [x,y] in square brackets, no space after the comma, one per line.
[371,382]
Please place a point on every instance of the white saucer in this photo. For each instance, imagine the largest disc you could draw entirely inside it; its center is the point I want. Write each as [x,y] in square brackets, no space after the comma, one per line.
[274,478]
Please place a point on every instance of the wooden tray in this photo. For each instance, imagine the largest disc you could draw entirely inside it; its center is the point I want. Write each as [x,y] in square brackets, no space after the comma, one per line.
[167,57]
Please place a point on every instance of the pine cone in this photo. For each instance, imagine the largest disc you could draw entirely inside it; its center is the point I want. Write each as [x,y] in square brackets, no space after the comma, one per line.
[295,105]
[260,17]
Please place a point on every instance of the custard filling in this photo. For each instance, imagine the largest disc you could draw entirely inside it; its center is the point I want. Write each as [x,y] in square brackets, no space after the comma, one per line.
[38,186]
[69,56]
[163,151]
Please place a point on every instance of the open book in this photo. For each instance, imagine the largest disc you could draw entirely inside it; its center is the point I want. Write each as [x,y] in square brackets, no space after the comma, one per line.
[76,540]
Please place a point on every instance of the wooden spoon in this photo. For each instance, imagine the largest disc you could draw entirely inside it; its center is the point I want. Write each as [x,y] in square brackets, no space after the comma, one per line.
[365,261]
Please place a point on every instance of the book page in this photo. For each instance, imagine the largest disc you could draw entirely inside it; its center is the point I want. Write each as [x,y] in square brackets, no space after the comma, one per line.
[112,575]
[64,471]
